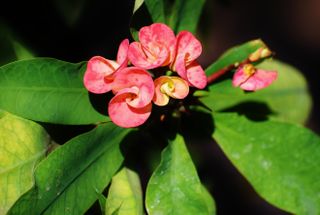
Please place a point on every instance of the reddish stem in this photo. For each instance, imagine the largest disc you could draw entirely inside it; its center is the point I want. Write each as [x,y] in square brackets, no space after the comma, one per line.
[222,71]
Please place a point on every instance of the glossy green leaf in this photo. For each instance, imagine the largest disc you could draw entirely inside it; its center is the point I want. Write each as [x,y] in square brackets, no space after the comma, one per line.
[125,194]
[280,160]
[47,90]
[288,97]
[235,55]
[174,187]
[23,144]
[68,180]
[185,15]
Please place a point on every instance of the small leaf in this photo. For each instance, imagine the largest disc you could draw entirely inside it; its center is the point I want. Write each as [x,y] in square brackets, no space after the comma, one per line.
[280,160]
[288,97]
[174,187]
[23,144]
[11,48]
[235,55]
[102,202]
[125,194]
[68,180]
[47,90]
[22,53]
[137,5]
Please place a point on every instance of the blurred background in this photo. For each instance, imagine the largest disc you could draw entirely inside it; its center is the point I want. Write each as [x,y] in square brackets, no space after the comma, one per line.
[76,30]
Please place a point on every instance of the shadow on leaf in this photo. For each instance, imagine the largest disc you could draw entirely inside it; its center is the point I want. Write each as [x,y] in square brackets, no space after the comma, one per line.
[255,111]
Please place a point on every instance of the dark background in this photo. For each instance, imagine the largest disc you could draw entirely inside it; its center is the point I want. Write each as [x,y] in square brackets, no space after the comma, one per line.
[88,28]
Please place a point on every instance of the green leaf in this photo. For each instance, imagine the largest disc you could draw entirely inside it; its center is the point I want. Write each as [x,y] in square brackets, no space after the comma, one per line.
[47,90]
[235,55]
[185,15]
[280,160]
[67,181]
[125,194]
[156,10]
[288,97]
[174,187]
[179,14]
[23,144]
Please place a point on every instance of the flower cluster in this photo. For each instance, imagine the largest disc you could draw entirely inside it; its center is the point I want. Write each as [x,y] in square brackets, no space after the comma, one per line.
[138,76]
[130,77]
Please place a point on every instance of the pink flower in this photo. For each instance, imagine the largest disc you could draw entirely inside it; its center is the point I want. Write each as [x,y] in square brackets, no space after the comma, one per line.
[249,78]
[169,86]
[155,49]
[100,72]
[134,89]
[188,49]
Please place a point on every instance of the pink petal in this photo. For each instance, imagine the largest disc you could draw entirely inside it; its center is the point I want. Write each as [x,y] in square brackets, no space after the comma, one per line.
[188,48]
[99,74]
[259,80]
[122,56]
[135,77]
[124,115]
[147,57]
[196,76]
[158,34]
[180,67]
[239,77]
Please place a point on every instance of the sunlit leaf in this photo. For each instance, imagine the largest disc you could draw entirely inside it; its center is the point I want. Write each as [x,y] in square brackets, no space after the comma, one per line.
[125,194]
[47,90]
[174,187]
[280,160]
[23,144]
[68,180]
[137,5]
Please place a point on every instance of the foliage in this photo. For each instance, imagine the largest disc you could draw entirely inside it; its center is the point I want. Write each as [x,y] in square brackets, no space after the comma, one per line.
[261,131]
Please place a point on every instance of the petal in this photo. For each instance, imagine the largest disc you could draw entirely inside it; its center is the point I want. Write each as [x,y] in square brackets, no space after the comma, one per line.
[181,88]
[166,86]
[122,56]
[159,34]
[160,98]
[124,115]
[239,77]
[188,48]
[135,77]
[259,80]
[98,68]
[145,57]
[180,67]
[196,76]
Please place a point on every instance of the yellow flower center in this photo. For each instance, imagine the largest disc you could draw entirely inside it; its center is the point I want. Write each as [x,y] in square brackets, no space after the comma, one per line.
[167,87]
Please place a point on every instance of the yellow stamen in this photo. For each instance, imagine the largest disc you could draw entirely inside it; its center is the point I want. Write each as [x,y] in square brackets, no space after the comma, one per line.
[249,69]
